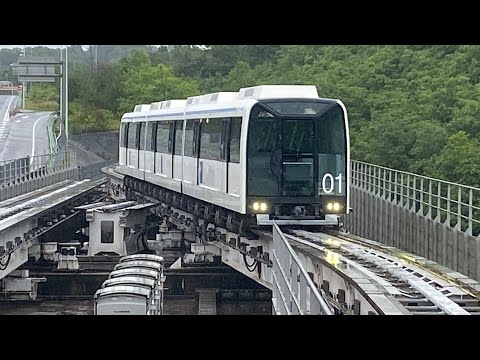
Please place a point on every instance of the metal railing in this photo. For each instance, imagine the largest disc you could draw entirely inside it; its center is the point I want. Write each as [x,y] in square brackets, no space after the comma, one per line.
[17,170]
[23,175]
[455,205]
[294,293]
[13,169]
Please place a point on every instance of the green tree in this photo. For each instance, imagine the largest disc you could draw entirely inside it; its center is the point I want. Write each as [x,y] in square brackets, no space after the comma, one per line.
[458,161]
[143,83]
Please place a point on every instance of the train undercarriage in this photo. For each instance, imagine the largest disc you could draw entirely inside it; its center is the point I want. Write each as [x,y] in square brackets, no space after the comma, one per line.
[242,224]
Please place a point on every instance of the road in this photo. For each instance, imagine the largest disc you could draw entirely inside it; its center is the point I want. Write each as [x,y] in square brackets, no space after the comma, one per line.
[24,134]
[7,103]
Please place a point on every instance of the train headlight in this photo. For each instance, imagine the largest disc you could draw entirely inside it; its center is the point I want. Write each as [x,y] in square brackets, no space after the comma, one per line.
[336,206]
[259,206]
[329,206]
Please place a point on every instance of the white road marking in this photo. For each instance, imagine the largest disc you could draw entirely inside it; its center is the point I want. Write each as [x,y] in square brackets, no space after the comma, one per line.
[33,133]
[17,121]
[24,116]
[6,117]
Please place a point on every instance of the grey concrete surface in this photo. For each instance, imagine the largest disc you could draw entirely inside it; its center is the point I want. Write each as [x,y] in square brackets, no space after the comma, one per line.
[103,144]
[84,156]
[390,223]
[7,102]
[27,134]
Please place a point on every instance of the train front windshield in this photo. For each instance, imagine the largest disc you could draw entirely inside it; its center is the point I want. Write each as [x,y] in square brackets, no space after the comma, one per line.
[296,149]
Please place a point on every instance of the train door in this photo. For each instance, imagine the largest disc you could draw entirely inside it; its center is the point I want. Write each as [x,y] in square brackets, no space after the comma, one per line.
[167,164]
[132,143]
[234,171]
[225,155]
[177,170]
[163,149]
[212,162]
[150,140]
[122,156]
[142,147]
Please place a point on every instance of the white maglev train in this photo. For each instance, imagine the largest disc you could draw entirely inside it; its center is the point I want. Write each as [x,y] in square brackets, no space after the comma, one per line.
[266,152]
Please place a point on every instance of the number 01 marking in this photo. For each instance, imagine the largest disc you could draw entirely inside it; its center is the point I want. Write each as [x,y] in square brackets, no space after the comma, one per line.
[332,183]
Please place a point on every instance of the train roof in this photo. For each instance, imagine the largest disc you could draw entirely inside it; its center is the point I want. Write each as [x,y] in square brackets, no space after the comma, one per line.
[139,264]
[130,280]
[135,272]
[122,290]
[142,108]
[221,101]
[149,257]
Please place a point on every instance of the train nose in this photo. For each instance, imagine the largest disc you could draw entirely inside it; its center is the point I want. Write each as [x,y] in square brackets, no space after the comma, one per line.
[299,211]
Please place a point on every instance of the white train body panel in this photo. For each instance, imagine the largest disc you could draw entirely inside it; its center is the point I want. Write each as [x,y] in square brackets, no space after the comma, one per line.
[177,168]
[132,158]
[141,160]
[132,165]
[122,156]
[189,171]
[234,180]
[212,175]
[163,173]
[149,162]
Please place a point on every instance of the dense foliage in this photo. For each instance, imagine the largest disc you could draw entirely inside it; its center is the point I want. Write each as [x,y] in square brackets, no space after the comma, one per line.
[413,108]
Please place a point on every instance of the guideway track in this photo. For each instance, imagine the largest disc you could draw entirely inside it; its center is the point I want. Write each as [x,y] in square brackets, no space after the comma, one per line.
[33,215]
[14,205]
[418,290]
[358,275]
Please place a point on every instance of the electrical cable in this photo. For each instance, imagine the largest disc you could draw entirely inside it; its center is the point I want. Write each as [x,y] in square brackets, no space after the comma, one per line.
[138,237]
[250,267]
[4,266]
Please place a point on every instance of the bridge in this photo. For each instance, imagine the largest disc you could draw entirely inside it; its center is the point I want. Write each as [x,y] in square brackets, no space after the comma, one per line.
[7,88]
[40,185]
[410,245]
[407,248]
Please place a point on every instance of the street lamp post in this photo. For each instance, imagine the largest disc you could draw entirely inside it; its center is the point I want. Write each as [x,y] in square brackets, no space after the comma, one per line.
[23,83]
[66,92]
[61,82]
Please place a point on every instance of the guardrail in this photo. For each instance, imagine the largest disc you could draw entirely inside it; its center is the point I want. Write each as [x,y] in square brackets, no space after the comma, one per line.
[455,205]
[437,219]
[12,169]
[52,139]
[19,176]
[294,293]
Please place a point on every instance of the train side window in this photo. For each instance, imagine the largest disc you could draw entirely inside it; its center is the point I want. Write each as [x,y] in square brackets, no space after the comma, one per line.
[189,140]
[235,132]
[151,131]
[178,137]
[171,136]
[225,140]
[210,139]
[132,135]
[106,236]
[163,134]
[124,137]
[331,132]
[141,144]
